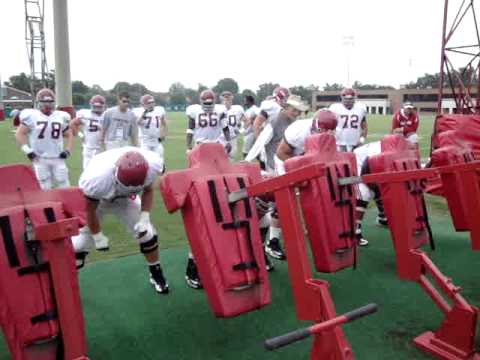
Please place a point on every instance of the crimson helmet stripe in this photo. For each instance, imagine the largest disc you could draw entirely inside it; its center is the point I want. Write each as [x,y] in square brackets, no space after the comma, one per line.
[147,98]
[324,120]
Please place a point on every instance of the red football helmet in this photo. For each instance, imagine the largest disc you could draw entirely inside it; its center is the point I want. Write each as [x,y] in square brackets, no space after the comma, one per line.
[281,94]
[147,101]
[97,104]
[348,96]
[324,120]
[46,100]
[207,99]
[131,171]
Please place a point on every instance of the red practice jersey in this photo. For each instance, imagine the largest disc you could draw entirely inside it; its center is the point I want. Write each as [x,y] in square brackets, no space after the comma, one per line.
[408,123]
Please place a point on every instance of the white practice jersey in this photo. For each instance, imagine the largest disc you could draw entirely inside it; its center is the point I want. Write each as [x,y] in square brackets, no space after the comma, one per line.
[270,109]
[46,131]
[297,133]
[251,113]
[98,179]
[364,151]
[92,128]
[150,127]
[349,121]
[208,125]
[234,115]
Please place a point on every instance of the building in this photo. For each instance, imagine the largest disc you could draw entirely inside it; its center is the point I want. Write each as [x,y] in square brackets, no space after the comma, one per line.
[389,101]
[14,99]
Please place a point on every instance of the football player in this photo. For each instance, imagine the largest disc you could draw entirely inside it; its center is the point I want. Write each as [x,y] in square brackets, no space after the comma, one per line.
[111,184]
[235,116]
[41,136]
[270,108]
[207,121]
[119,124]
[293,108]
[152,123]
[293,142]
[405,122]
[89,121]
[352,121]
[250,115]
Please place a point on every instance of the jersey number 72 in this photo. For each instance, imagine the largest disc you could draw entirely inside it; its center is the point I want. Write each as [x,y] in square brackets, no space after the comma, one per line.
[350,121]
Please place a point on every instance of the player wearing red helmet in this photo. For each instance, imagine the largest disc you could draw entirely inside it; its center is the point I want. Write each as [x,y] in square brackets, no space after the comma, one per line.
[152,123]
[41,136]
[270,108]
[293,142]
[111,183]
[88,126]
[207,122]
[352,121]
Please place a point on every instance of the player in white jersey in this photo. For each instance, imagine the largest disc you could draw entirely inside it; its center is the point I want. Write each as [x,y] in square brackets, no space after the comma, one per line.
[41,135]
[251,113]
[207,122]
[293,143]
[352,121]
[152,124]
[88,126]
[235,117]
[270,108]
[111,183]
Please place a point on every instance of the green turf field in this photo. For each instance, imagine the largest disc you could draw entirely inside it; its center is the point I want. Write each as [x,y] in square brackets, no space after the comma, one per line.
[126,320]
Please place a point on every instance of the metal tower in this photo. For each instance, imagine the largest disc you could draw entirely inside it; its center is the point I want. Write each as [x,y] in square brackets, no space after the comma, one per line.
[460,57]
[35,40]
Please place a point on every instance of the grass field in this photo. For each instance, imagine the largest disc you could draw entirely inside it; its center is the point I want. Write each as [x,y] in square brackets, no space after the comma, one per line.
[125,320]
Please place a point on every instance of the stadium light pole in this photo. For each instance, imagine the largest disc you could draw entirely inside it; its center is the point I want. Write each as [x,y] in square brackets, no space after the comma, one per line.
[348,42]
[63,82]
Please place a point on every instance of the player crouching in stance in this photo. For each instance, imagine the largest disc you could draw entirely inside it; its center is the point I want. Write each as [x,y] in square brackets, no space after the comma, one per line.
[90,122]
[41,137]
[152,124]
[111,183]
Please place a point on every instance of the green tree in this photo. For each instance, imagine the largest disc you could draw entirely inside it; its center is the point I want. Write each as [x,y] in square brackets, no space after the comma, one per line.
[305,92]
[191,96]
[333,87]
[79,87]
[79,99]
[20,82]
[227,84]
[177,94]
[265,90]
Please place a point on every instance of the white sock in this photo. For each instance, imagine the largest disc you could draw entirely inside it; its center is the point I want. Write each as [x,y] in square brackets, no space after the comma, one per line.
[153,263]
[275,232]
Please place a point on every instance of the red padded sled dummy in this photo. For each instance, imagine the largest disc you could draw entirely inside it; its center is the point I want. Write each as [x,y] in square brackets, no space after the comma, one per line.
[397,157]
[225,239]
[40,308]
[328,209]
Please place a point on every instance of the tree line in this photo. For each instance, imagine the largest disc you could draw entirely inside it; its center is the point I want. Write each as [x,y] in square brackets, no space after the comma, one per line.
[178,95]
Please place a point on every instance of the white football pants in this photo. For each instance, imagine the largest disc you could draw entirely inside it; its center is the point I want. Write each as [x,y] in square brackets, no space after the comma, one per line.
[50,171]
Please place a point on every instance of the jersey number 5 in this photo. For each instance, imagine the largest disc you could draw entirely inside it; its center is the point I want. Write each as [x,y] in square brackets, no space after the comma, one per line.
[93,125]
[56,128]
[209,119]
[350,121]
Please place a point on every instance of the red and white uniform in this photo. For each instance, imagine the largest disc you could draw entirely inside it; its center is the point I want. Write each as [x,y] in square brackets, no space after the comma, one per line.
[91,128]
[409,124]
[248,135]
[362,153]
[151,129]
[45,137]
[208,125]
[270,109]
[234,116]
[349,124]
[98,182]
[297,133]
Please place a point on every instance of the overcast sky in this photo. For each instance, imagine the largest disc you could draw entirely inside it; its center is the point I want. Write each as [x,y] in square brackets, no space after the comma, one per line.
[158,42]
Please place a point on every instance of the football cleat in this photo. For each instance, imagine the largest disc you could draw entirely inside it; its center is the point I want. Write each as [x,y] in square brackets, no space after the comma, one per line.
[274,249]
[157,280]
[381,221]
[268,264]
[361,240]
[191,275]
